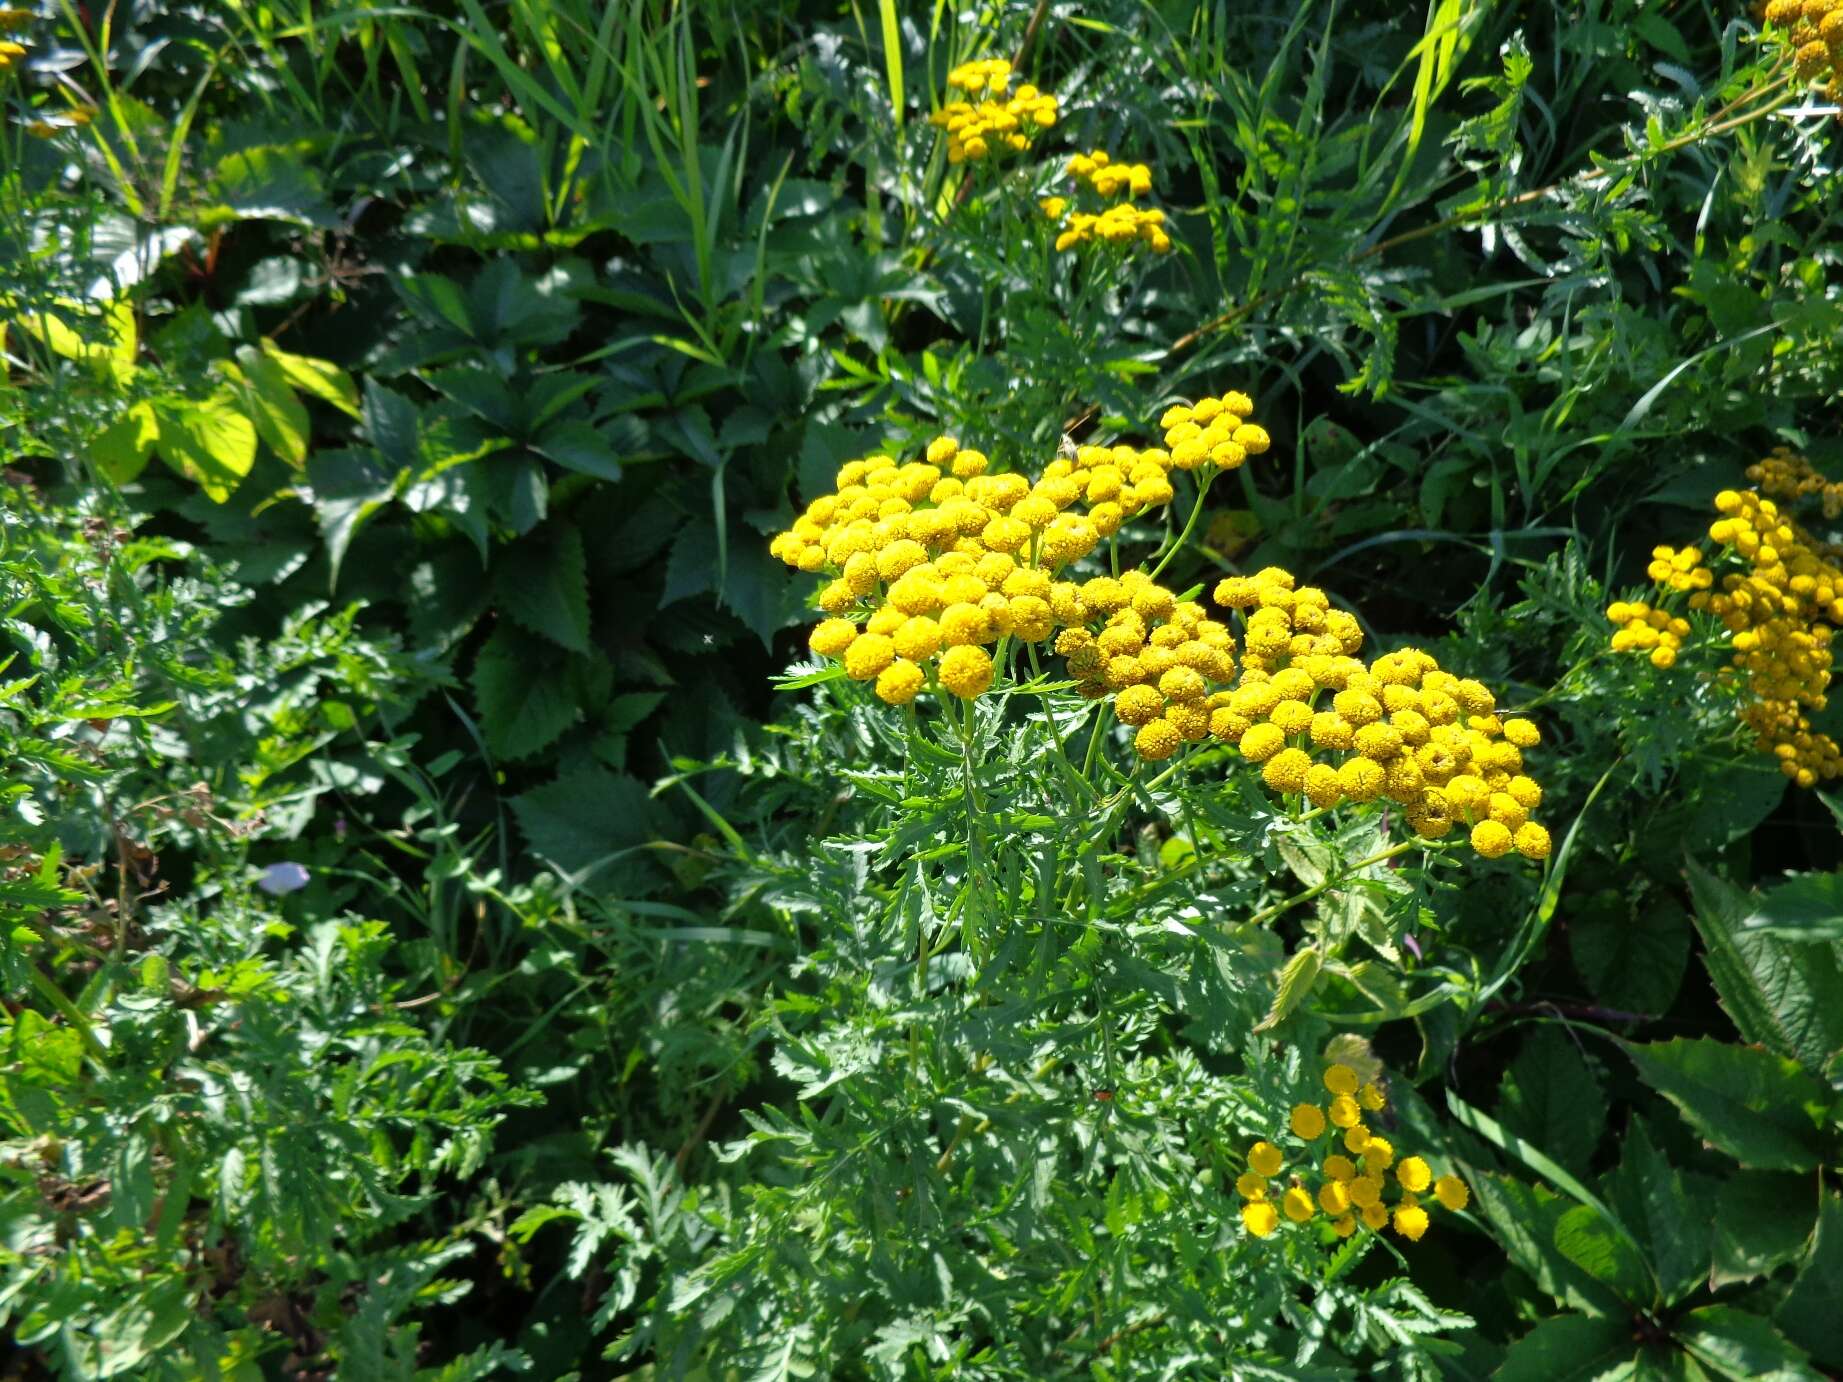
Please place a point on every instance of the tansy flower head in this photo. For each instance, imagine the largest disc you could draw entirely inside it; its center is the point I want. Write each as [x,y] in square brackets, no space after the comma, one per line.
[1307,1121]
[1265,1158]
[1259,1218]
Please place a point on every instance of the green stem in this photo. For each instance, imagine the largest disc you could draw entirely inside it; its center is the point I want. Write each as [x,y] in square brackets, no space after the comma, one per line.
[1190,526]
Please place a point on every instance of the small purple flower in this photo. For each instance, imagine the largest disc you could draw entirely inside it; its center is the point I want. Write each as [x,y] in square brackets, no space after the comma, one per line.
[282,878]
[1412,944]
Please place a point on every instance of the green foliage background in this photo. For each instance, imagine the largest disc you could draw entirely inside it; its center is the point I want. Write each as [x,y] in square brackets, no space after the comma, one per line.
[402,535]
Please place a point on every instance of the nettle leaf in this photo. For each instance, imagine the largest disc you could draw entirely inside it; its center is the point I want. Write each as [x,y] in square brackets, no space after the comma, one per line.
[1570,1348]
[1632,961]
[524,702]
[542,581]
[348,488]
[1549,1097]
[1807,907]
[210,441]
[1785,994]
[1297,981]
[1649,1196]
[586,816]
[1808,1314]
[1763,1220]
[1759,1108]
[269,184]
[576,445]
[1592,1242]
[1739,1344]
[1526,1218]
[756,589]
[691,569]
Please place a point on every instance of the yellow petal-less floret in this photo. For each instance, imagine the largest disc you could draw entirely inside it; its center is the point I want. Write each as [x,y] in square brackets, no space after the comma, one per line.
[1266,1159]
[899,683]
[1451,1192]
[966,671]
[1307,1121]
[1259,1217]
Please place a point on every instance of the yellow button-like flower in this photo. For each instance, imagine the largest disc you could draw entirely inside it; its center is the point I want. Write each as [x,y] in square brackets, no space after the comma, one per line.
[1372,1098]
[1532,841]
[899,683]
[831,637]
[1376,1216]
[1410,1222]
[1451,1192]
[868,655]
[1492,839]
[1298,1205]
[1251,1185]
[1334,1197]
[1413,1174]
[1308,1121]
[1356,1139]
[966,671]
[1259,1218]
[1365,1191]
[1378,1155]
[1345,1226]
[1265,1158]
[1340,1079]
[1344,1111]
[1340,1167]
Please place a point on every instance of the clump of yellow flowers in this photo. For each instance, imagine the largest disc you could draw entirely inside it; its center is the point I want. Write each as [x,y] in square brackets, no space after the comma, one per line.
[932,563]
[1119,224]
[1349,1187]
[997,118]
[1814,31]
[1779,603]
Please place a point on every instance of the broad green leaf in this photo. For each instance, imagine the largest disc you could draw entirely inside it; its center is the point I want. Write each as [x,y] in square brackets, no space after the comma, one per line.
[1569,1348]
[210,441]
[1525,1218]
[1809,1315]
[1763,1220]
[542,581]
[1552,1099]
[1737,1344]
[1806,907]
[268,184]
[587,815]
[1632,961]
[280,416]
[347,487]
[1759,1108]
[1651,1200]
[1785,994]
[576,445]
[523,701]
[121,449]
[1588,1239]
[319,379]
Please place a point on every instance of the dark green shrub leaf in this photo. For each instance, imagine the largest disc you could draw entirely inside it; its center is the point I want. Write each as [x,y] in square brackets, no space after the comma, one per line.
[1809,1313]
[542,581]
[1759,1108]
[1741,1345]
[1784,994]
[524,703]
[1763,1220]
[1526,1218]
[1648,1194]
[1632,961]
[1587,1238]
[1571,1348]
[210,441]
[586,816]
[1550,1098]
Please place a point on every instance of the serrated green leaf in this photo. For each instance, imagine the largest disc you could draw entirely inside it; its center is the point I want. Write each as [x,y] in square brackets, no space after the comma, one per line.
[1633,962]
[584,817]
[1760,1109]
[1550,1098]
[1762,1221]
[210,441]
[524,703]
[1569,1348]
[1787,995]
[1740,1345]
[1650,1198]
[542,581]
[319,379]
[1809,1313]
[1296,983]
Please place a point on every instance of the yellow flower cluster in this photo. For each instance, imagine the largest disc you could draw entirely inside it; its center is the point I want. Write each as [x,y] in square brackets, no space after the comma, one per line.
[1121,224]
[1117,225]
[1110,179]
[1352,1185]
[974,129]
[1814,30]
[938,557]
[1779,607]
[1640,628]
[1402,728]
[10,53]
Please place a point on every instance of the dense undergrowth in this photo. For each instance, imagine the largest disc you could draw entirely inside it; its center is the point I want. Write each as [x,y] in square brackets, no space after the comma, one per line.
[1129,690]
